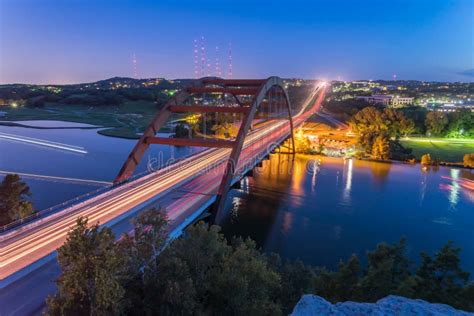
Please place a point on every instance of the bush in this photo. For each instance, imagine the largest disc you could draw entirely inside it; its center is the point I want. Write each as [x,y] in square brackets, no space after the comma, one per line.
[426,160]
[468,160]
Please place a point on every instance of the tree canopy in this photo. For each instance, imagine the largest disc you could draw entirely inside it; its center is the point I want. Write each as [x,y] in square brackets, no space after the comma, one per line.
[14,199]
[203,273]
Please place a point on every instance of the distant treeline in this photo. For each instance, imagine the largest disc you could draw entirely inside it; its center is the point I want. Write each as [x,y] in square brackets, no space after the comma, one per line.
[433,123]
[114,91]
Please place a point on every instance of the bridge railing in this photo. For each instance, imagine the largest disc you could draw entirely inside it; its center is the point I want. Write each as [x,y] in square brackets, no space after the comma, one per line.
[79,199]
[53,209]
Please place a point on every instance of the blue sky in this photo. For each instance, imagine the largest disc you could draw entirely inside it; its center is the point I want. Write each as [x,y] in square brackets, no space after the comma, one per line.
[67,41]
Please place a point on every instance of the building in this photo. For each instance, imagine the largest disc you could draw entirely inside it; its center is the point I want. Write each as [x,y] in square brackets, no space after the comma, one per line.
[377,99]
[387,99]
[449,107]
[397,101]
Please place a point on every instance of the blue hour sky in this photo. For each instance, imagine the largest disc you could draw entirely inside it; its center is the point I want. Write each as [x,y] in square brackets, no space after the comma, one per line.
[70,41]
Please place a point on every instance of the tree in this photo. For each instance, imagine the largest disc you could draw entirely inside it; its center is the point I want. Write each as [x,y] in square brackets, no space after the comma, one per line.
[202,273]
[468,160]
[407,126]
[461,123]
[373,125]
[441,279]
[244,284]
[297,279]
[92,270]
[388,267]
[14,203]
[368,119]
[436,122]
[426,160]
[140,251]
[381,148]
[186,266]
[341,285]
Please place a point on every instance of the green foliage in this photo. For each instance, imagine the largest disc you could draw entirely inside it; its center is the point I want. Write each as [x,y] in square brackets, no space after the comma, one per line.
[202,273]
[461,124]
[297,279]
[341,285]
[244,284]
[381,148]
[417,114]
[91,273]
[197,256]
[441,279]
[468,160]
[14,203]
[387,269]
[436,122]
[378,131]
[216,276]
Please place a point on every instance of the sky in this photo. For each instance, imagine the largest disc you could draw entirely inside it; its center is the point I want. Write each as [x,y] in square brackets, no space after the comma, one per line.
[72,41]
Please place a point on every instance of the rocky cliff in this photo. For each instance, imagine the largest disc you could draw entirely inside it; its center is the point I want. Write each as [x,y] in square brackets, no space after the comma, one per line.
[390,305]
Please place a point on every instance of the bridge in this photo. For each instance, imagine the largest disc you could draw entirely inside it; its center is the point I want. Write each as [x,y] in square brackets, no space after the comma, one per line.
[185,189]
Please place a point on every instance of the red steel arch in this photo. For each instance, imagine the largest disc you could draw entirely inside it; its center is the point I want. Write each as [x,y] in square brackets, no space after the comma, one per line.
[233,160]
[259,89]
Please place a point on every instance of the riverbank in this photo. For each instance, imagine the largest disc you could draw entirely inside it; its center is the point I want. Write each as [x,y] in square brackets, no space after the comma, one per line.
[319,136]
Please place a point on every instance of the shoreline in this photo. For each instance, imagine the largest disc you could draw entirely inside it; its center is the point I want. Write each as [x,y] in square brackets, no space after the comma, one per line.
[100,129]
[458,165]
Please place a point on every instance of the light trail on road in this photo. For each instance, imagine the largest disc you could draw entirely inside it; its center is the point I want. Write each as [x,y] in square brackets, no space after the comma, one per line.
[55,178]
[34,241]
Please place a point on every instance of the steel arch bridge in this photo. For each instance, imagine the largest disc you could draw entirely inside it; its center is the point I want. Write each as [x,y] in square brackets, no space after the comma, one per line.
[270,92]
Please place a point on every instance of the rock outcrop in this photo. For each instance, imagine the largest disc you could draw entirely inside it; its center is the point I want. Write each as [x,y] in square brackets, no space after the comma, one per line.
[388,306]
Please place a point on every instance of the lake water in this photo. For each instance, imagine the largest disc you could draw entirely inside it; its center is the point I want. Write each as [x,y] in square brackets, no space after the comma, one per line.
[324,212]
[320,212]
[104,158]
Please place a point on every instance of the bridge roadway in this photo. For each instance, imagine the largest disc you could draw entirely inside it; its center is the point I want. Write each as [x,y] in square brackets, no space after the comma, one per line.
[184,189]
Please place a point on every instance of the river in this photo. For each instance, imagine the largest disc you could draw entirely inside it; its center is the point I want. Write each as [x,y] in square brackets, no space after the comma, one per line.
[320,210]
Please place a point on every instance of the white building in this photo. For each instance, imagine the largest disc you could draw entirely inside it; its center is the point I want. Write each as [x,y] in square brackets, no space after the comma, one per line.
[386,99]
[402,100]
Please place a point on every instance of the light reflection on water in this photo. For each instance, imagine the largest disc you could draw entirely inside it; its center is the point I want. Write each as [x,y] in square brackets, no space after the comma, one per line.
[324,212]
[454,189]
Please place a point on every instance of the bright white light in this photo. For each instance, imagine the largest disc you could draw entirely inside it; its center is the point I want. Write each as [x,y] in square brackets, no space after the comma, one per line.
[45,143]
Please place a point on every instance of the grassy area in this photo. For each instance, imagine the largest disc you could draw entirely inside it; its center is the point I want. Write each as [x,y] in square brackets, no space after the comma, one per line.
[125,120]
[443,149]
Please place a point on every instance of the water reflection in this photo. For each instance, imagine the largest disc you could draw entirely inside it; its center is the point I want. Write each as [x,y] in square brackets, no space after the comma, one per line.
[314,171]
[348,164]
[380,170]
[454,189]
[297,209]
